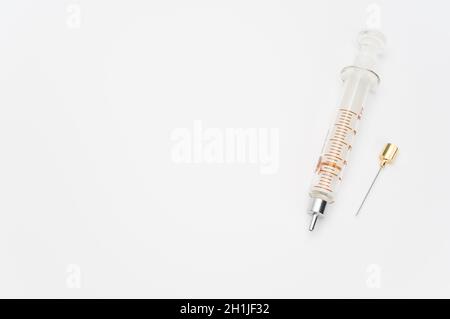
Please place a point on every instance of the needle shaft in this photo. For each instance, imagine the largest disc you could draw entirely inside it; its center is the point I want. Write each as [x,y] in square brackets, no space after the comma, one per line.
[370,188]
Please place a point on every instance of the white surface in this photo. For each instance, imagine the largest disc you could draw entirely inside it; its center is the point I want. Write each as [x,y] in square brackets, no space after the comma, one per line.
[93,205]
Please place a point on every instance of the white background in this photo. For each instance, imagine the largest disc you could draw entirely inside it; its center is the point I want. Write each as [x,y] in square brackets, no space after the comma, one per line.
[92,204]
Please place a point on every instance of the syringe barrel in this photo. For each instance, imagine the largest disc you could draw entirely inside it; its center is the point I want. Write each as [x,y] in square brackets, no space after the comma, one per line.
[359,79]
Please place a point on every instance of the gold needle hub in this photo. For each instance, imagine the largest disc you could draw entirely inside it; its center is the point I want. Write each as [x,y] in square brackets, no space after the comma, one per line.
[387,156]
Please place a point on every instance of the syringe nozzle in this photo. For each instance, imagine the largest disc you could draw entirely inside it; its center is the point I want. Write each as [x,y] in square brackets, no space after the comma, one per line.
[317,208]
[313,221]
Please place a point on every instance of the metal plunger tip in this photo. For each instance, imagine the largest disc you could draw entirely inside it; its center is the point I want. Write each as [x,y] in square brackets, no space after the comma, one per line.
[317,209]
[313,221]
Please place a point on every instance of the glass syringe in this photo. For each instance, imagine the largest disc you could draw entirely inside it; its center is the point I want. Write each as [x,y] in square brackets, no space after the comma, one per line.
[359,79]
